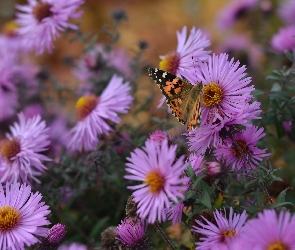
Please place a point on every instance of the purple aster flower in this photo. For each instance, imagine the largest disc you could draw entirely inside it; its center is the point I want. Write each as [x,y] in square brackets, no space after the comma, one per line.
[159,136]
[20,158]
[218,234]
[160,173]
[286,12]
[225,90]
[180,62]
[284,39]
[270,231]
[235,10]
[242,153]
[22,216]
[174,213]
[53,238]
[41,21]
[72,246]
[93,113]
[213,168]
[93,62]
[132,234]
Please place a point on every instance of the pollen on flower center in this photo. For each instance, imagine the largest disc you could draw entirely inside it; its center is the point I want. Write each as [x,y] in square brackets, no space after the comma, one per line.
[10,148]
[277,246]
[155,180]
[42,10]
[9,218]
[241,150]
[85,106]
[228,233]
[9,28]
[170,62]
[212,95]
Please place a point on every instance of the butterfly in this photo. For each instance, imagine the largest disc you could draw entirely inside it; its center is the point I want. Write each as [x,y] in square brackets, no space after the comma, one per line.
[183,98]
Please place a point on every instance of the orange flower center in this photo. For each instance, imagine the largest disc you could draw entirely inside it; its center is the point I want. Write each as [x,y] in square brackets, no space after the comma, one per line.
[9,148]
[155,180]
[9,28]
[277,246]
[9,218]
[212,95]
[42,10]
[228,233]
[85,105]
[241,150]
[170,62]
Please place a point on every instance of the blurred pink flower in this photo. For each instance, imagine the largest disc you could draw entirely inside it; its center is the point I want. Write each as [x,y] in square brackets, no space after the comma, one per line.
[284,39]
[20,158]
[233,11]
[42,21]
[93,113]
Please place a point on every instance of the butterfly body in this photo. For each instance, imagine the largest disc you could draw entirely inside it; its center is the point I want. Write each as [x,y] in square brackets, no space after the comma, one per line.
[182,97]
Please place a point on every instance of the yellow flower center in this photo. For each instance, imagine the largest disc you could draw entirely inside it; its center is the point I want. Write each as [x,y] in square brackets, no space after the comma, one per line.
[227,234]
[42,10]
[241,150]
[170,62]
[212,95]
[85,105]
[9,148]
[9,218]
[9,28]
[155,180]
[277,246]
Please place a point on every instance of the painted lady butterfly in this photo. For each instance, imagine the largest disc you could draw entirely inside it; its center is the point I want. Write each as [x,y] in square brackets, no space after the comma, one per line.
[183,98]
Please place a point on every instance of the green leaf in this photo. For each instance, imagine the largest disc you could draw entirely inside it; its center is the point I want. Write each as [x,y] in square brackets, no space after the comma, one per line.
[281,197]
[205,199]
[289,55]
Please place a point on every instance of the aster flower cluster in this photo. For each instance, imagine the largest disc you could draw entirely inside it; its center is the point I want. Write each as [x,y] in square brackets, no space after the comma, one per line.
[94,143]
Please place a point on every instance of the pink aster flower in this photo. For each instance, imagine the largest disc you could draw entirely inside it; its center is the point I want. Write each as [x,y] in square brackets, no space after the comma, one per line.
[22,216]
[218,234]
[42,21]
[53,238]
[284,39]
[160,173]
[286,12]
[20,157]
[225,90]
[180,62]
[132,234]
[174,213]
[96,60]
[244,154]
[235,10]
[93,113]
[72,246]
[270,231]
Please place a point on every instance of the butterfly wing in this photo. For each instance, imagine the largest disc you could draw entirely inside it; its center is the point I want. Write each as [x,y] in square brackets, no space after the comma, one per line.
[175,89]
